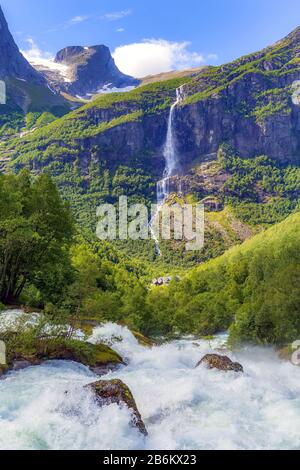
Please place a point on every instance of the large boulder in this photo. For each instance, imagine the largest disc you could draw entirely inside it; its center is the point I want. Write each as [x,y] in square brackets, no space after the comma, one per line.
[215,361]
[107,392]
[98,357]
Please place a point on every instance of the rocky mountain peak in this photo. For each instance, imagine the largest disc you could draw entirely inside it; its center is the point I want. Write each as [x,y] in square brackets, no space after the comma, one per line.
[12,62]
[75,54]
[67,55]
[86,70]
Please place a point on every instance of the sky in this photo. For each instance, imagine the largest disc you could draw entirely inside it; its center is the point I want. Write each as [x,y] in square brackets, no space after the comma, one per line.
[152,36]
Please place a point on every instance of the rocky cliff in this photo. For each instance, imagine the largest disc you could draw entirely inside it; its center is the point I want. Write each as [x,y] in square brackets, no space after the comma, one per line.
[114,145]
[251,104]
[12,62]
[26,88]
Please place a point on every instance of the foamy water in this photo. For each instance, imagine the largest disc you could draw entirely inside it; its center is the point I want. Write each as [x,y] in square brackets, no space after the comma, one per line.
[183,407]
[10,319]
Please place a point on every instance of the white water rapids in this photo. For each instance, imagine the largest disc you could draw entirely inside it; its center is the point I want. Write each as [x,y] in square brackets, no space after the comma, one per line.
[183,407]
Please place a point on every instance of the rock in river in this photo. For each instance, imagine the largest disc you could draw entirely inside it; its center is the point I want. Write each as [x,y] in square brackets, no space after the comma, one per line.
[215,361]
[115,391]
[98,357]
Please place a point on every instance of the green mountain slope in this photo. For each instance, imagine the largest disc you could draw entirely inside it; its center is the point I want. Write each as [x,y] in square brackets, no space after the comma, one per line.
[248,104]
[114,146]
[254,289]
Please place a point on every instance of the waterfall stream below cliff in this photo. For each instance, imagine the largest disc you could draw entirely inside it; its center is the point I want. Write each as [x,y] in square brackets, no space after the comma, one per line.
[183,407]
[172,164]
[172,167]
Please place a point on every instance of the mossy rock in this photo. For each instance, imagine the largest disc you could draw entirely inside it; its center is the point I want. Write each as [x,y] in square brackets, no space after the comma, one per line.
[107,392]
[91,355]
[143,340]
[87,329]
[98,357]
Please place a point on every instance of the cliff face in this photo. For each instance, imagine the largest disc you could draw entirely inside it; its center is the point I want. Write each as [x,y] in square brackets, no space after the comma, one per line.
[255,115]
[112,130]
[252,104]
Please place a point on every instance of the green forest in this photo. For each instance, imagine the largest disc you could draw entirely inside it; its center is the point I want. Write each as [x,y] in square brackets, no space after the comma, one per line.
[47,263]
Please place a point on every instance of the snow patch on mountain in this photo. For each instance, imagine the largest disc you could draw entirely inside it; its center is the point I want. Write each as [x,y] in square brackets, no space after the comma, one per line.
[44,65]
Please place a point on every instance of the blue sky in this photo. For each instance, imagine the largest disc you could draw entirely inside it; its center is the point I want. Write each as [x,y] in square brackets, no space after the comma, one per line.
[162,34]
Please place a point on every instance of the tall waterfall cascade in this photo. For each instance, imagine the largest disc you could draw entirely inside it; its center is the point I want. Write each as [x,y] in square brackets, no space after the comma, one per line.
[170,154]
[172,165]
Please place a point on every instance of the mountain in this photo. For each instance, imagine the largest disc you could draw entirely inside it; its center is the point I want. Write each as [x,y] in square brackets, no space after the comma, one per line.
[236,130]
[84,71]
[12,62]
[249,104]
[27,89]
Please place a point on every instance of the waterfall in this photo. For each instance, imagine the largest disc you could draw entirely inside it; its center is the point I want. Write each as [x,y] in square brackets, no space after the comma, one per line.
[170,154]
[172,165]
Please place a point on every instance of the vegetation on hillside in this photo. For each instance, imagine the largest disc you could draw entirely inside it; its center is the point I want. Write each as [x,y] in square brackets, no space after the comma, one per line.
[89,171]
[84,122]
[252,289]
[43,265]
[14,119]
[271,64]
[260,190]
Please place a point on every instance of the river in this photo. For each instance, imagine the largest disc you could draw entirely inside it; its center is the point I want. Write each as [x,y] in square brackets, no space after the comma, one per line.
[183,407]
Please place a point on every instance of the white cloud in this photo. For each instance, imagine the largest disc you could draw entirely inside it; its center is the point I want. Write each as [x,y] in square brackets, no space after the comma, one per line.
[78,19]
[120,30]
[153,56]
[34,53]
[116,15]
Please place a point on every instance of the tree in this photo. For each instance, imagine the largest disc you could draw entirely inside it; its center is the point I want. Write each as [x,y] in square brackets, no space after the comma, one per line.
[36,229]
